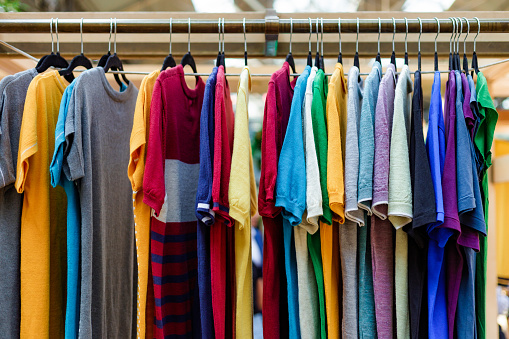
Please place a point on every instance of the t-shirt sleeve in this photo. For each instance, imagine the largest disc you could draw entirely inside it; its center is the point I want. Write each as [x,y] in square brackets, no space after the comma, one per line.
[74,167]
[268,175]
[55,168]
[335,180]
[7,170]
[138,139]
[153,180]
[28,136]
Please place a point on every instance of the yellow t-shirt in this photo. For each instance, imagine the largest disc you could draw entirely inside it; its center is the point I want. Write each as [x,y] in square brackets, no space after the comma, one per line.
[502,215]
[139,137]
[43,218]
[329,234]
[243,204]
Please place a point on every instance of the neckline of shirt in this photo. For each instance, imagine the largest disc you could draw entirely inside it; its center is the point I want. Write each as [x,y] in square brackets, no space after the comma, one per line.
[114,94]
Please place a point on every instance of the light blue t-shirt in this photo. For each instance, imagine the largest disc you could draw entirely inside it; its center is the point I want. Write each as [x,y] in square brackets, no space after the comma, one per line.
[291,194]
[73,219]
[367,322]
[435,146]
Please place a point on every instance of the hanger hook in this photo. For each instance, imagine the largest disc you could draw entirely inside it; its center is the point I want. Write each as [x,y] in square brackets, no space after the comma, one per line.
[317,40]
[406,35]
[56,33]
[339,31]
[310,33]
[379,31]
[188,35]
[478,30]
[420,32]
[115,39]
[111,30]
[51,32]
[244,27]
[81,33]
[459,35]
[291,34]
[455,35]
[393,33]
[357,40]
[223,32]
[466,36]
[438,32]
[452,34]
[321,37]
[219,31]
[171,31]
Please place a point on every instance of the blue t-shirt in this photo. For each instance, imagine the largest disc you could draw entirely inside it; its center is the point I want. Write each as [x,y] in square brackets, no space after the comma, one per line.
[367,322]
[291,195]
[73,219]
[204,211]
[435,146]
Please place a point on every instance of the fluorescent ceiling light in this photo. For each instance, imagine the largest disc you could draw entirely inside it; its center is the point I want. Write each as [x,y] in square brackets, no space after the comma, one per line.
[216,6]
[427,6]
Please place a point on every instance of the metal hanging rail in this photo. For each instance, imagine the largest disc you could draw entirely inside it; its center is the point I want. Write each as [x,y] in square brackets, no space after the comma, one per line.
[269,25]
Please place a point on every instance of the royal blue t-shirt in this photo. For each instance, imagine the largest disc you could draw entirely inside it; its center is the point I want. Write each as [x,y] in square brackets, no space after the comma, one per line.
[291,194]
[435,145]
[73,219]
[204,211]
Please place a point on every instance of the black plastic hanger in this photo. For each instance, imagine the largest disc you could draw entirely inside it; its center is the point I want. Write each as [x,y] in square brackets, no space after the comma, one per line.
[78,61]
[219,55]
[450,44]
[465,60]
[114,63]
[245,41]
[289,57]
[188,59]
[460,31]
[340,55]
[356,57]
[475,65]
[406,45]
[104,58]
[310,56]
[317,54]
[53,59]
[169,61]
[393,55]
[436,54]
[378,58]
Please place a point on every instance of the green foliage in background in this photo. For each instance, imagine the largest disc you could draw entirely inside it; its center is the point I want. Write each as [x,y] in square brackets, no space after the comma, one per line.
[12,6]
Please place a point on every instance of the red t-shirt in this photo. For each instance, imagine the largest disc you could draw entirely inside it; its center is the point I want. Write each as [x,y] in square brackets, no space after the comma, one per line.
[169,184]
[275,120]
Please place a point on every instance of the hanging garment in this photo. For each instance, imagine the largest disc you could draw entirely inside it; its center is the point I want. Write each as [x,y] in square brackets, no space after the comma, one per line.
[243,205]
[13,91]
[275,121]
[204,213]
[307,286]
[169,185]
[222,246]
[107,239]
[354,217]
[423,211]
[400,197]
[73,219]
[318,117]
[367,321]
[43,227]
[139,136]
[435,145]
[291,196]
[483,140]
[465,314]
[329,235]
[382,244]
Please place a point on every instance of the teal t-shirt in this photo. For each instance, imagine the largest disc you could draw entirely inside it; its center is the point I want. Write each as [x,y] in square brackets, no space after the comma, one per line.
[291,195]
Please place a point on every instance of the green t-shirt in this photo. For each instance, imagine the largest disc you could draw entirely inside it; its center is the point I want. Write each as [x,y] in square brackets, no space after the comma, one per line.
[483,141]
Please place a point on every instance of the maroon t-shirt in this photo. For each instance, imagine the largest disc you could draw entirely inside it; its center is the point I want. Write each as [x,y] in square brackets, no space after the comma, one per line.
[275,120]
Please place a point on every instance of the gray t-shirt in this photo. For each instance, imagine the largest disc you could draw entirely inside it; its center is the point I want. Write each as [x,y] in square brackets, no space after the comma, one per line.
[13,89]
[97,129]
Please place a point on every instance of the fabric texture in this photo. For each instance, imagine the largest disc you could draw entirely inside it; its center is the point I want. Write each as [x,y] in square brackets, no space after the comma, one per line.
[13,90]
[43,218]
[169,184]
[135,170]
